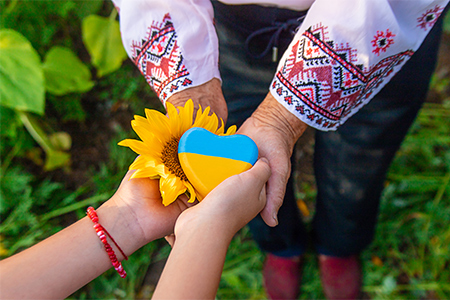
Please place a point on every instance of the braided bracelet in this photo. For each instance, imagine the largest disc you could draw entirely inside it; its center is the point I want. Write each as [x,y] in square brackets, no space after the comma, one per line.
[102,233]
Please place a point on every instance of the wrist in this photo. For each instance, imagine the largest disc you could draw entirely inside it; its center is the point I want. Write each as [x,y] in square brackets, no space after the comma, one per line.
[207,94]
[121,223]
[192,222]
[272,114]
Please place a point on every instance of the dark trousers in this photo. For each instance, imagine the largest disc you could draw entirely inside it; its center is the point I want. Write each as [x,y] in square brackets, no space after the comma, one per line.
[350,164]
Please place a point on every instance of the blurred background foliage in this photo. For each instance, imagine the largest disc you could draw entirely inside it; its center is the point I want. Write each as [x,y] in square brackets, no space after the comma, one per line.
[67,96]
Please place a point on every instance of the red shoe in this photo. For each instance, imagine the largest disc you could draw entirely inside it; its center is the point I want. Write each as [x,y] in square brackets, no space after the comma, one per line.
[282,277]
[341,277]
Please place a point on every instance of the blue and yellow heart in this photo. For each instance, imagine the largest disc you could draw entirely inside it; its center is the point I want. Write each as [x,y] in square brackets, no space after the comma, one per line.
[208,159]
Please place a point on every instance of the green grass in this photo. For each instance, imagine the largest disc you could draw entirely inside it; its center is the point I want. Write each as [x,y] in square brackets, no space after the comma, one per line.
[413,234]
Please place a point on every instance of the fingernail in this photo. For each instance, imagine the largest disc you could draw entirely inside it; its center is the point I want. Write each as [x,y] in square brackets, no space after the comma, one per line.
[275,217]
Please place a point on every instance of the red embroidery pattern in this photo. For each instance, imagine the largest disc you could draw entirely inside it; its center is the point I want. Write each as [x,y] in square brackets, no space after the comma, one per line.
[382,41]
[321,80]
[160,60]
[427,20]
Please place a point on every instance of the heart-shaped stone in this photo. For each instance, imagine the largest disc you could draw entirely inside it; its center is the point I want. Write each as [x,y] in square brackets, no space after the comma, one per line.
[208,159]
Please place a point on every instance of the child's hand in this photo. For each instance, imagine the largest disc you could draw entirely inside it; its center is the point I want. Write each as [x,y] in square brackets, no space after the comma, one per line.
[232,204]
[139,200]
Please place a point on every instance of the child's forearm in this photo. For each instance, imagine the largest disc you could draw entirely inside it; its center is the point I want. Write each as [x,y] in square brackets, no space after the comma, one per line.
[57,266]
[195,264]
[63,263]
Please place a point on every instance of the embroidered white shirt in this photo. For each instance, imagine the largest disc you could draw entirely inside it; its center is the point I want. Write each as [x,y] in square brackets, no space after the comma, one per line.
[343,53]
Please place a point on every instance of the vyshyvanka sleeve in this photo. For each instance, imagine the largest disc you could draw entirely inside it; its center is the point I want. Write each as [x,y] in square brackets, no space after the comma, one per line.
[345,52]
[172,42]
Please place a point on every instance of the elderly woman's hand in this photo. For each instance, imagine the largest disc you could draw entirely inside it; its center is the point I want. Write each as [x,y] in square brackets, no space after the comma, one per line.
[275,130]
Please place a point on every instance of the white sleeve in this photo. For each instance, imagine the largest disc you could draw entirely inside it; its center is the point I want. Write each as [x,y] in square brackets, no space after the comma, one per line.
[172,42]
[345,52]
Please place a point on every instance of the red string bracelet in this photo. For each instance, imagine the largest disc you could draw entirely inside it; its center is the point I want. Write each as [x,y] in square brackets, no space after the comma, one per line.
[101,231]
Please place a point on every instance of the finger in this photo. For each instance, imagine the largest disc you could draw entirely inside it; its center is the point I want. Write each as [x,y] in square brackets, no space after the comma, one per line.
[254,178]
[276,188]
[263,196]
[182,202]
[260,171]
[170,239]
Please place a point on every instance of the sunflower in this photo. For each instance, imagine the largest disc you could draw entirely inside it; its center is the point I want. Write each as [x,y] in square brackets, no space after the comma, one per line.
[158,147]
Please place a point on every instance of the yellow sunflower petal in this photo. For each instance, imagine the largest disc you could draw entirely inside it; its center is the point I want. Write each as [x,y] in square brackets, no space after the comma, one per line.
[198,113]
[143,122]
[231,130]
[171,187]
[221,129]
[148,137]
[174,120]
[186,115]
[137,146]
[191,190]
[207,122]
[212,123]
[200,119]
[162,170]
[139,163]
[151,170]
[145,173]
[157,129]
[159,123]
[140,147]
[143,161]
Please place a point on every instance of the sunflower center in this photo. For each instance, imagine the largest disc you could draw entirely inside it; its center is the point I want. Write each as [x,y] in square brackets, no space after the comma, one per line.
[169,157]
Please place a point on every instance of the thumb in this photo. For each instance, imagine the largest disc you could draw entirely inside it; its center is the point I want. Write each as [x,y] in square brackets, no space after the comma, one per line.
[260,171]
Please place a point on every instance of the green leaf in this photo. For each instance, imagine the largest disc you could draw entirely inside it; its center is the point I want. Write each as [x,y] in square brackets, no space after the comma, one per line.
[101,36]
[21,74]
[61,140]
[55,158]
[65,73]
